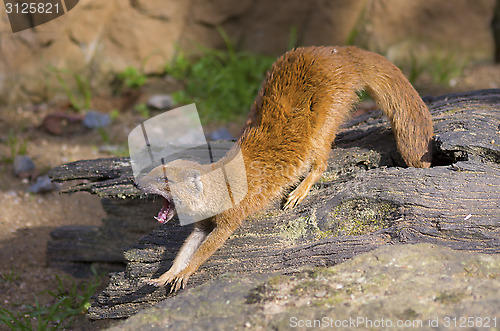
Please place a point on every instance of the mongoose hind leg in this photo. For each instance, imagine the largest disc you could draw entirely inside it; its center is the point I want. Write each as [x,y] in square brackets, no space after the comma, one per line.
[318,166]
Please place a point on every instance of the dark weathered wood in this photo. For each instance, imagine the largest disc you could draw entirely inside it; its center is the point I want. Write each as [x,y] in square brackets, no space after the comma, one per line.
[365,199]
[108,178]
[78,248]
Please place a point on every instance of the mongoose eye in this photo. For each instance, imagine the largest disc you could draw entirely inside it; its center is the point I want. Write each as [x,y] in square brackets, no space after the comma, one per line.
[162,180]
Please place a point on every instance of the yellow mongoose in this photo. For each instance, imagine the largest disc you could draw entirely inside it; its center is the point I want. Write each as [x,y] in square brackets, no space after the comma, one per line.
[307,94]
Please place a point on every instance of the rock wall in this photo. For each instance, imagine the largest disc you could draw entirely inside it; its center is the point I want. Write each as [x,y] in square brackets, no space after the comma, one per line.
[99,38]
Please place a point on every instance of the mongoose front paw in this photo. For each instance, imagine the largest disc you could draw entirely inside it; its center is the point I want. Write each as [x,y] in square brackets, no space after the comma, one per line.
[179,282]
[164,279]
[155,282]
[176,282]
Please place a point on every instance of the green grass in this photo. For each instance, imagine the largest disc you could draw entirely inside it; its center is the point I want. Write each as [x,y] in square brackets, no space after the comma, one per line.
[68,303]
[442,66]
[11,276]
[143,110]
[415,68]
[132,78]
[222,83]
[76,86]
[16,146]
[445,66]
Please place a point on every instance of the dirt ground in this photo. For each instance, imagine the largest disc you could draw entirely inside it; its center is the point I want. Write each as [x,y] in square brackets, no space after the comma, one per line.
[26,219]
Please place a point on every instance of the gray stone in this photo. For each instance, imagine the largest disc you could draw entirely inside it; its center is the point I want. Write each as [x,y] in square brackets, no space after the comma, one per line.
[221,134]
[23,164]
[44,184]
[421,285]
[96,120]
[160,101]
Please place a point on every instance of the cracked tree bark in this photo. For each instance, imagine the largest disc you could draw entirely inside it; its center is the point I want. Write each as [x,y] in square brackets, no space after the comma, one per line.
[365,199]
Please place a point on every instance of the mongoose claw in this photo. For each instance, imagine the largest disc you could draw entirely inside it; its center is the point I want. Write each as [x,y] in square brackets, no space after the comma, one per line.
[178,282]
[294,198]
[176,285]
[162,280]
[290,203]
[155,282]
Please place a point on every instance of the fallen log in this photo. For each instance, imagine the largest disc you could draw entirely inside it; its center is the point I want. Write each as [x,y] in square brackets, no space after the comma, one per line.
[365,199]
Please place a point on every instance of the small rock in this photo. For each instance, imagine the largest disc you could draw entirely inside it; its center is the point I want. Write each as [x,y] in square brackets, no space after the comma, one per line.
[43,184]
[61,123]
[160,101]
[320,294]
[221,134]
[95,120]
[23,165]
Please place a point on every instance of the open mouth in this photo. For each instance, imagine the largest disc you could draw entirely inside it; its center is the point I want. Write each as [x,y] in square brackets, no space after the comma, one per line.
[167,211]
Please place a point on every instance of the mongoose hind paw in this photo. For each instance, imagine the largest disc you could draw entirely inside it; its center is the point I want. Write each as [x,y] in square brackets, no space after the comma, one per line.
[295,197]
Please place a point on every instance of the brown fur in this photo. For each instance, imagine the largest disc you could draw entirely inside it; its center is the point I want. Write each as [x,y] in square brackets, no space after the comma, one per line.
[307,94]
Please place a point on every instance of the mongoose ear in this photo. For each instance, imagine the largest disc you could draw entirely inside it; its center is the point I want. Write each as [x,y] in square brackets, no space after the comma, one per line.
[194,176]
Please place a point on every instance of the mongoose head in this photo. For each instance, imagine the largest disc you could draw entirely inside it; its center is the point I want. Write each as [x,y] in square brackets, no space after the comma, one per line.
[179,183]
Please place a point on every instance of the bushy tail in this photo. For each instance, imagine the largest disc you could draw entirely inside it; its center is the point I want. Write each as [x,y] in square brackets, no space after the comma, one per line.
[410,118]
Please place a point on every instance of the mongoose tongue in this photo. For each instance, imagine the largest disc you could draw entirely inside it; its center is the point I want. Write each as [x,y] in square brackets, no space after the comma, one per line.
[167,211]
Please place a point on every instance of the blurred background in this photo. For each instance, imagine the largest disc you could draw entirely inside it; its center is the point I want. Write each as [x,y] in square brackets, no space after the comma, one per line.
[101,39]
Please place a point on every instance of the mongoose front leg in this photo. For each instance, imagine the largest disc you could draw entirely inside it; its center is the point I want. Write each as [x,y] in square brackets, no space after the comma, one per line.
[192,243]
[214,240]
